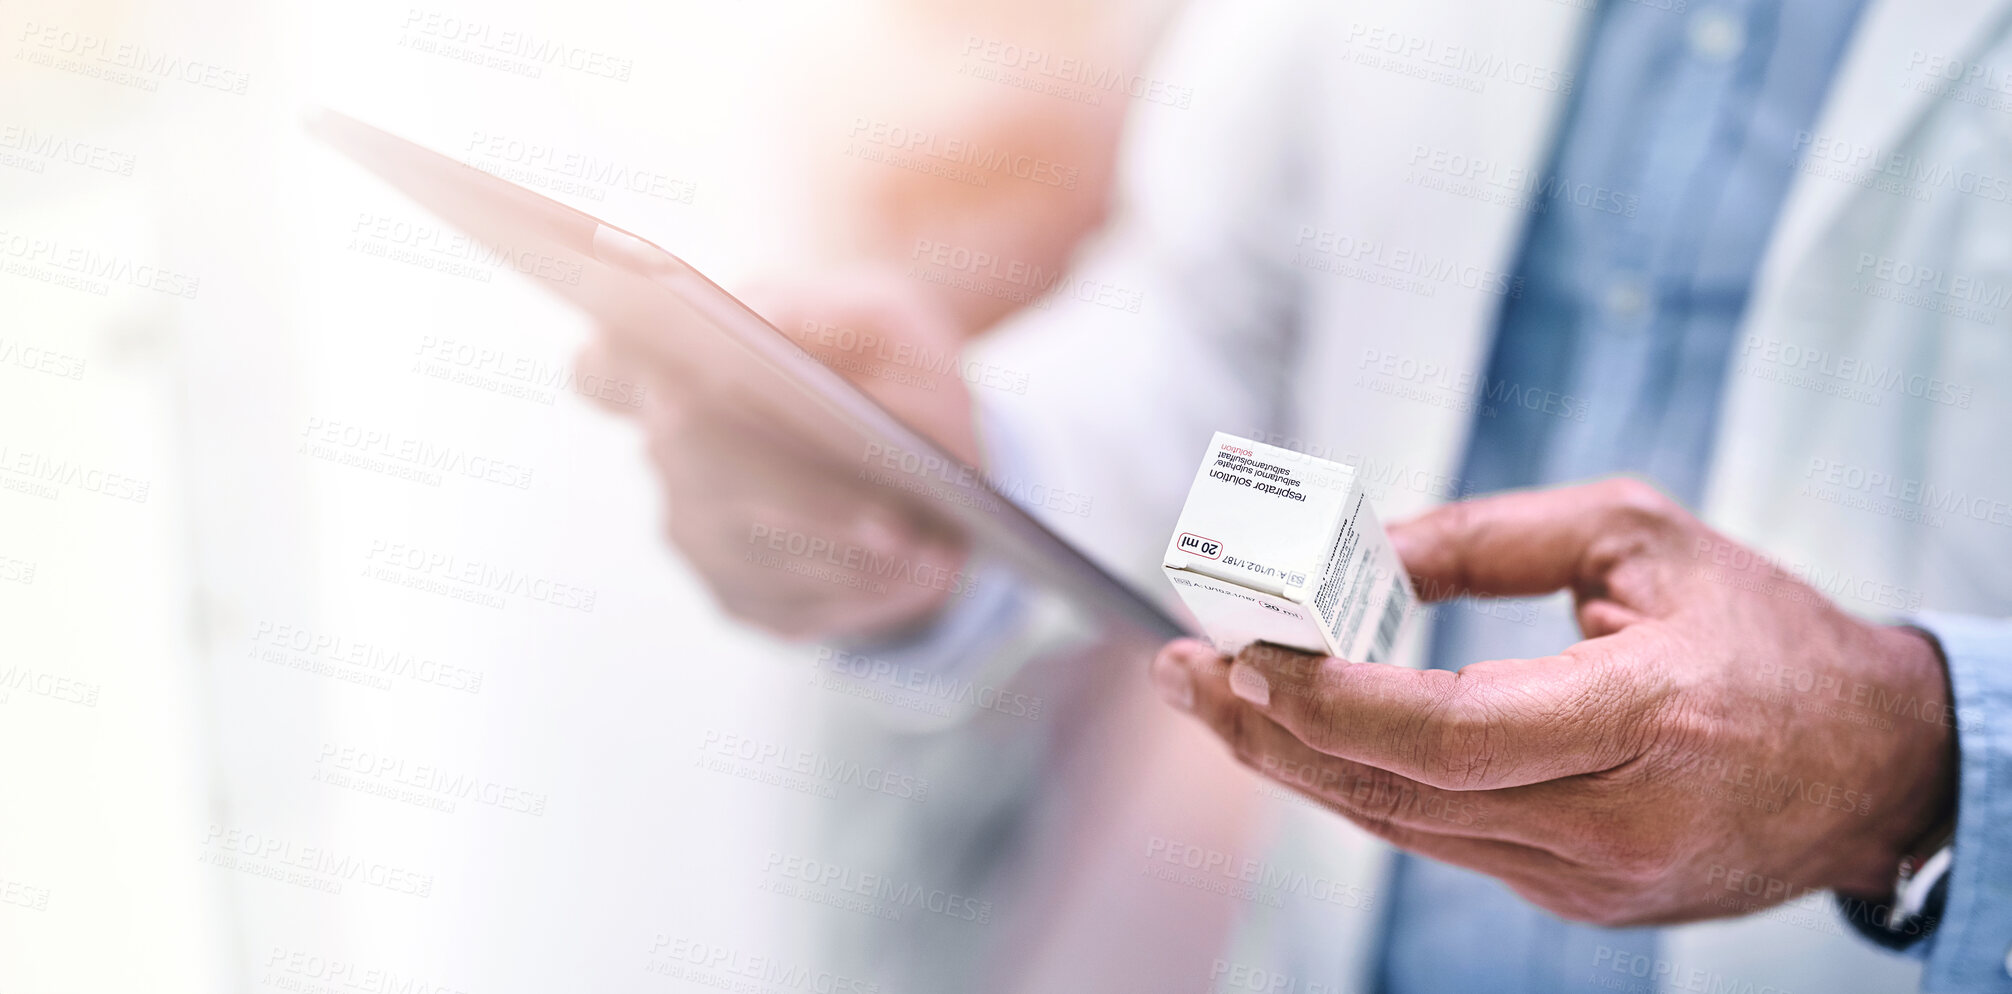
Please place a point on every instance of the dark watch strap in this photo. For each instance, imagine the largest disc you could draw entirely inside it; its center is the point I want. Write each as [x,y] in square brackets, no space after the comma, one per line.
[1875,921]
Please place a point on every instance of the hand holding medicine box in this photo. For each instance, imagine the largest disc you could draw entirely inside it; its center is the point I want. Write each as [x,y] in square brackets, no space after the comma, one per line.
[1279,546]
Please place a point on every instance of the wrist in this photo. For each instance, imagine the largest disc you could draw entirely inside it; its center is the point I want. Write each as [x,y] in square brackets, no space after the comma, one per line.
[1920,763]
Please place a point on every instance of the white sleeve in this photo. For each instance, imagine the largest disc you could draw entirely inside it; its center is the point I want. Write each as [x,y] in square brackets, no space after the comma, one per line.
[1180,318]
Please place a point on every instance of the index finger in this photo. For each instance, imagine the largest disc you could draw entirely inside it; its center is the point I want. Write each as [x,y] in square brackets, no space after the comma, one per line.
[1501,723]
[1531,542]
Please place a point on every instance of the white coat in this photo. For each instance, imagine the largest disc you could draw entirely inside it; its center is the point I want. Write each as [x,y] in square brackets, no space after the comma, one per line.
[1299,266]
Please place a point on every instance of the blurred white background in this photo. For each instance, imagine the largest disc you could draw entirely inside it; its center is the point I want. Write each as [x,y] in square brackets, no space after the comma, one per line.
[194,649]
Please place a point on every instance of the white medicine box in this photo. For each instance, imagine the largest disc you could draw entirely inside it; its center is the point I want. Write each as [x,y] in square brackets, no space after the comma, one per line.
[1279,546]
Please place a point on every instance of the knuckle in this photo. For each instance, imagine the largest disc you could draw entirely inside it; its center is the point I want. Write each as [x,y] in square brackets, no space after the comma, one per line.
[1446,522]
[1622,909]
[1324,720]
[1680,735]
[1606,909]
[1615,549]
[1633,492]
[1608,912]
[1264,655]
[1228,723]
[1635,502]
[1571,906]
[1460,746]
[1635,863]
[1388,795]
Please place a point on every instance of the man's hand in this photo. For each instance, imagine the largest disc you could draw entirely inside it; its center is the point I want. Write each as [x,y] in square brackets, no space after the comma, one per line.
[1723,740]
[785,543]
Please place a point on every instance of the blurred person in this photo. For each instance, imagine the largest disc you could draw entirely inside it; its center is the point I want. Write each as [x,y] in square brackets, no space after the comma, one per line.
[991,130]
[1751,252]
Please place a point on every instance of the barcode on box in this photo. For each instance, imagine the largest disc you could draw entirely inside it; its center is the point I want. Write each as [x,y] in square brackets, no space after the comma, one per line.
[1393,618]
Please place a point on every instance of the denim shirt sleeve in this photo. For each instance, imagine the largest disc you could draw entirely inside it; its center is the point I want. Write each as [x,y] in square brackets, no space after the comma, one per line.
[1971,948]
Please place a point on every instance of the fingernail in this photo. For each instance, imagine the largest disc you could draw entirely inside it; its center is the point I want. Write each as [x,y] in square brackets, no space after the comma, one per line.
[1173,681]
[1249,684]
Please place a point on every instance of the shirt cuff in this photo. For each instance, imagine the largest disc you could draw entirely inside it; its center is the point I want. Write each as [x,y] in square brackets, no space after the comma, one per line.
[1971,949]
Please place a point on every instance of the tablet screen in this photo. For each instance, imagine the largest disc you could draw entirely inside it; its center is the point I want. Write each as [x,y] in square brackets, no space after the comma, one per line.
[781,425]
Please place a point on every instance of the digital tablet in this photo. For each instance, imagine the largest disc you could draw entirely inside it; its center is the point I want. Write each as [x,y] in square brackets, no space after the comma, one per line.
[796,408]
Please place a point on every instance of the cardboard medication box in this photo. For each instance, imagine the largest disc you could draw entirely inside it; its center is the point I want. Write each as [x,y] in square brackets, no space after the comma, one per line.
[1279,546]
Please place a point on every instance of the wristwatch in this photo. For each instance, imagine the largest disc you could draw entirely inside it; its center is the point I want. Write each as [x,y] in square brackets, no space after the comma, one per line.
[1920,889]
